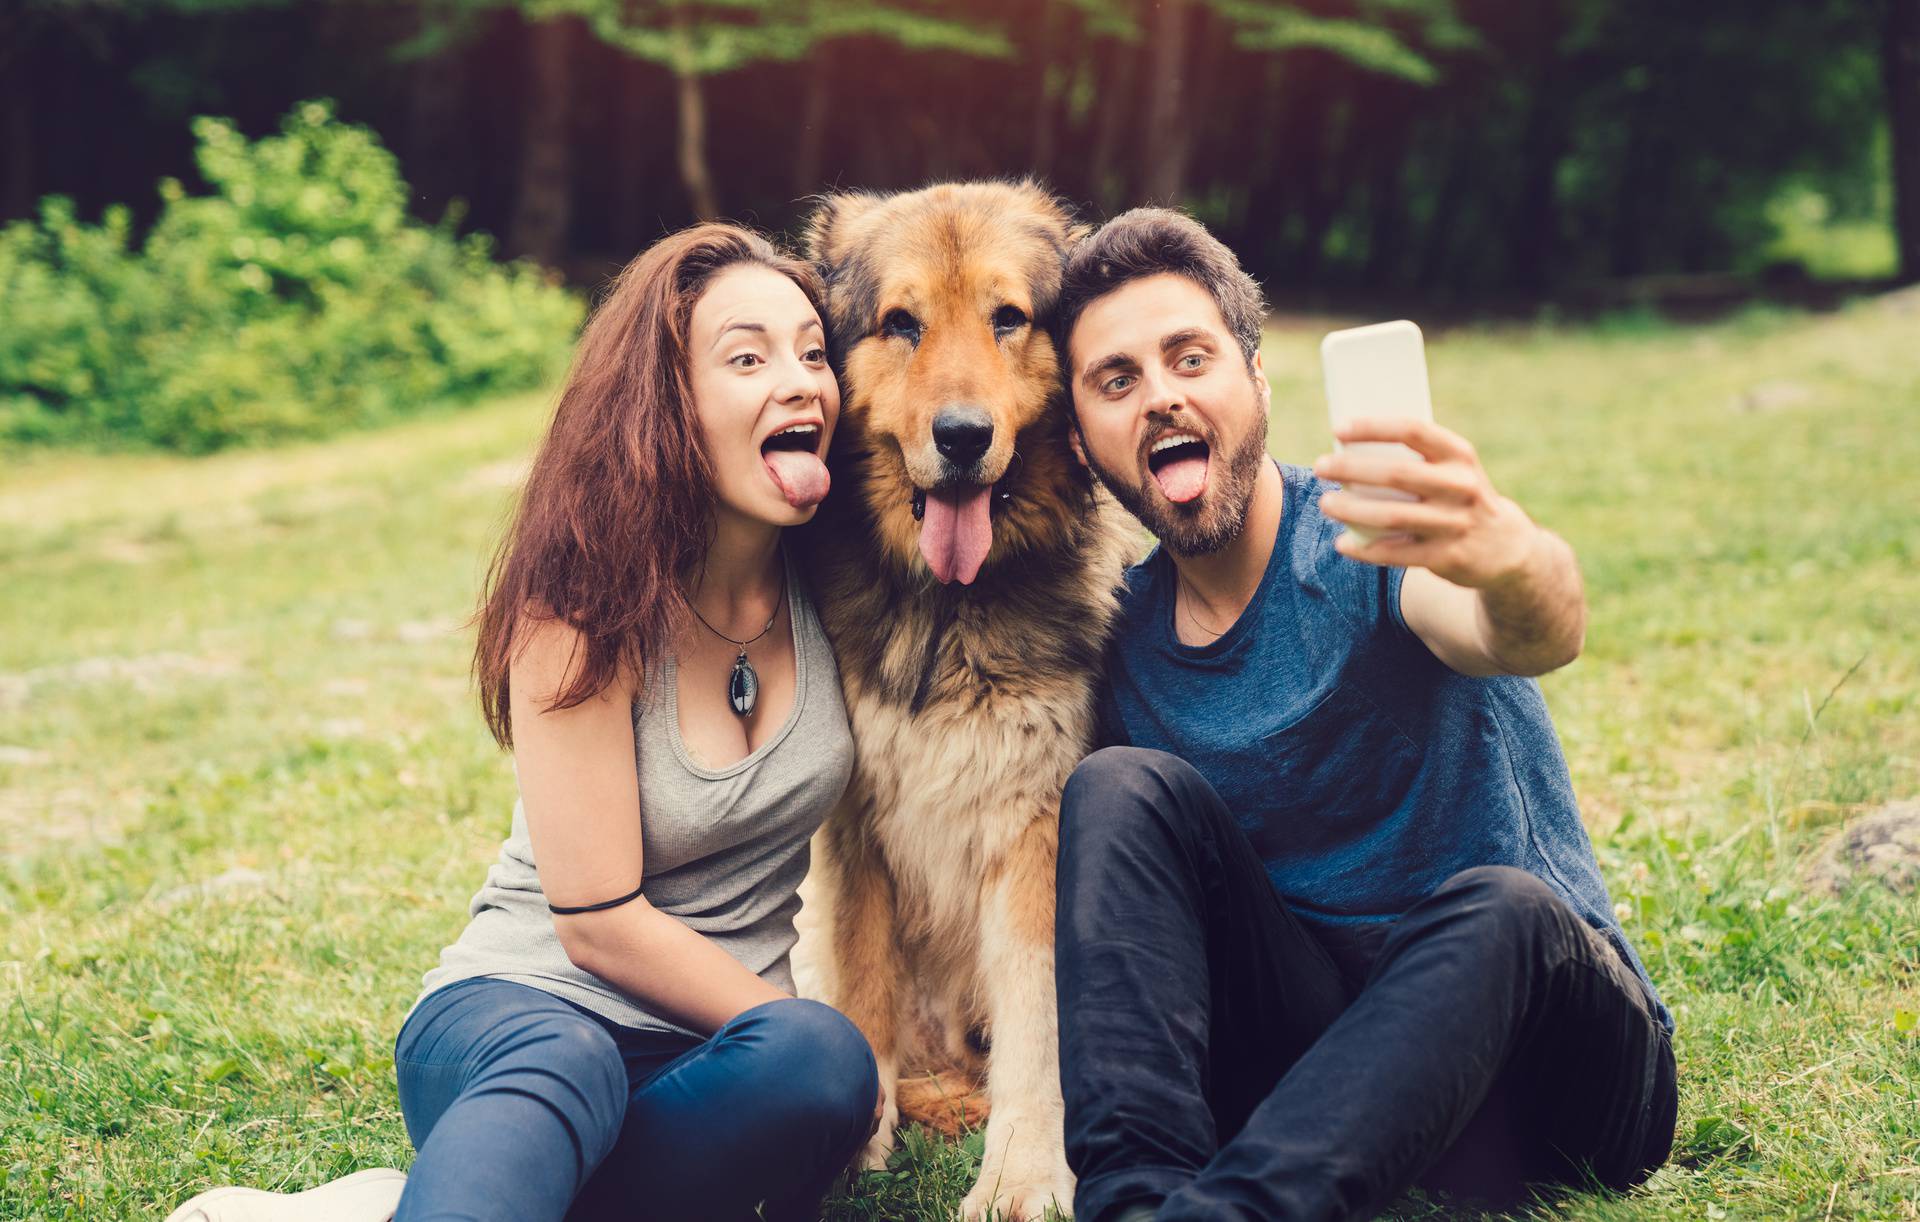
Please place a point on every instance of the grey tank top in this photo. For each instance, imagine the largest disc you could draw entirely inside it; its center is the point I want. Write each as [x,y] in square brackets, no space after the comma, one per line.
[724,849]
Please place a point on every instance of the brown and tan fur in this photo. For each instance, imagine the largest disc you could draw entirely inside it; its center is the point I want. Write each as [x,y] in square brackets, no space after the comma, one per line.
[970,705]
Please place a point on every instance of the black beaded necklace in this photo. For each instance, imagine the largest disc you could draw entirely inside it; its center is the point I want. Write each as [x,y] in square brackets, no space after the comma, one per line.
[743,685]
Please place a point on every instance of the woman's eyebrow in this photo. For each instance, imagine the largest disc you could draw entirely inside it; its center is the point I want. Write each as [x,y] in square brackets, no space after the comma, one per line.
[760,328]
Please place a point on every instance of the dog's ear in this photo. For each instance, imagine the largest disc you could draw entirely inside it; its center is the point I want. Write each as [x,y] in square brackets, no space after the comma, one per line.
[1063,228]
[825,234]
[833,236]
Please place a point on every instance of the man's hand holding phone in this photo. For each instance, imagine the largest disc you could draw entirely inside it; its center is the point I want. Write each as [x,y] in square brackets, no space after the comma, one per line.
[1460,527]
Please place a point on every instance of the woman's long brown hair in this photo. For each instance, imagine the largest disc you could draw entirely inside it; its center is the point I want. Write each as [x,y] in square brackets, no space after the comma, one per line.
[618,507]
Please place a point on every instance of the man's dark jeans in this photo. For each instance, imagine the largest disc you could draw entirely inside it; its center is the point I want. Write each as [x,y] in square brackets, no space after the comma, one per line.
[1221,1061]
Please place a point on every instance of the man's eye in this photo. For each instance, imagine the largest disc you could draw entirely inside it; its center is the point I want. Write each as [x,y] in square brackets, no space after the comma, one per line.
[1192,360]
[1119,385]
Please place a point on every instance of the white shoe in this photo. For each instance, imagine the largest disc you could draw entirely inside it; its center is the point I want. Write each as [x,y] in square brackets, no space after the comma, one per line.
[364,1196]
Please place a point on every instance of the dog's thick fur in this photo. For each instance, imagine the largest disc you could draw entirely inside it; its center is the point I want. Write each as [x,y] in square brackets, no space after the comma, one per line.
[970,704]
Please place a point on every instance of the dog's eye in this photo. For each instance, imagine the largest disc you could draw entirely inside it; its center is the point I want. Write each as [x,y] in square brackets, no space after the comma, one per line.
[1008,319]
[901,324]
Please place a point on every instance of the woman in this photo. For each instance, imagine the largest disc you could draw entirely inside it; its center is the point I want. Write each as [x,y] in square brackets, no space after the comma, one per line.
[605,1040]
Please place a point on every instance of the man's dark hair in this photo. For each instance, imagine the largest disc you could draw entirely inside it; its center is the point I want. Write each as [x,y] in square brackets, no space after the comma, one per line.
[1149,242]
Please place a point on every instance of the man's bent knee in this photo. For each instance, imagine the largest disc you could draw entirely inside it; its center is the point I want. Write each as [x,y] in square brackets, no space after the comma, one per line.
[1115,787]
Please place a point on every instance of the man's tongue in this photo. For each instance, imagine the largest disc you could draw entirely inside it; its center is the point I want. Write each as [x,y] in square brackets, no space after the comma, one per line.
[802,477]
[1182,479]
[956,533]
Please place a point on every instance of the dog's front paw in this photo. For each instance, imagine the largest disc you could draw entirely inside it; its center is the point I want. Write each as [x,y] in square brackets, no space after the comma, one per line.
[1016,1197]
[879,1147]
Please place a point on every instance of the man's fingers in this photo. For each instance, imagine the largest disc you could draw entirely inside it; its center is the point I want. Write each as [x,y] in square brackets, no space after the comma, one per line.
[1427,480]
[1400,551]
[1430,440]
[1410,517]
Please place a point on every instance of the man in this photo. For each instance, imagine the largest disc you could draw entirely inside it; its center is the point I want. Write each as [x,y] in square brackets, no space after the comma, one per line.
[1329,923]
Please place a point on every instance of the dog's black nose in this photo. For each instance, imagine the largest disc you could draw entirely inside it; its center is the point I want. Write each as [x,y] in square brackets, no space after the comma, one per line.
[962,434]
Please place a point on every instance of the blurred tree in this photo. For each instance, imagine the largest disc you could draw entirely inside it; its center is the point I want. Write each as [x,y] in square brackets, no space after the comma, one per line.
[1457,147]
[693,40]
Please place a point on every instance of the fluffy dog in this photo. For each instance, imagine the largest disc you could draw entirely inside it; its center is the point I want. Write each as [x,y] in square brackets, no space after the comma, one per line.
[965,570]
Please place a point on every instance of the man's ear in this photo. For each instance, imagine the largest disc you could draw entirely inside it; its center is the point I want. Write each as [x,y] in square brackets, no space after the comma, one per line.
[1076,443]
[1260,379]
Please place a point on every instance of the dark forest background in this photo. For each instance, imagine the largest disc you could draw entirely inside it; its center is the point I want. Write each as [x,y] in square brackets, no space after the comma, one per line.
[1472,150]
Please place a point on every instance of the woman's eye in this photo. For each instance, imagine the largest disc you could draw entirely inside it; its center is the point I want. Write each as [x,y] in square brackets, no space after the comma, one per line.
[815,356]
[744,360]
[1008,319]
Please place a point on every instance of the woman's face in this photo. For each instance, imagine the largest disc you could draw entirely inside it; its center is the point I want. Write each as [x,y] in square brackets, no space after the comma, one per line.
[763,393]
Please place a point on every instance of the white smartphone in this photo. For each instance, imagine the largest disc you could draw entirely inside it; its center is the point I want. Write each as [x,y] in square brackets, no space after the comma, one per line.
[1376,372]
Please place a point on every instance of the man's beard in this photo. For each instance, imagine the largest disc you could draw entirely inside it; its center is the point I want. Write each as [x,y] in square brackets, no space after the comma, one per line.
[1212,520]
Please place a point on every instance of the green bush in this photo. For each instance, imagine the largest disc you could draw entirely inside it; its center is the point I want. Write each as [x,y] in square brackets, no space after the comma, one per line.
[295,300]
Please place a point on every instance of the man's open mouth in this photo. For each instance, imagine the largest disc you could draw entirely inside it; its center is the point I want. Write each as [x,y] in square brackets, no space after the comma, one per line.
[1178,463]
[792,456]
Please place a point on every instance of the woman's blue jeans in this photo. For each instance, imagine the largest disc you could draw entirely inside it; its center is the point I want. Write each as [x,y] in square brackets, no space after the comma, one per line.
[525,1107]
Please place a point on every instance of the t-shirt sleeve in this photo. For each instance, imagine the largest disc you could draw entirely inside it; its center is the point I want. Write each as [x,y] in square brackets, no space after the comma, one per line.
[1108,730]
[1366,595]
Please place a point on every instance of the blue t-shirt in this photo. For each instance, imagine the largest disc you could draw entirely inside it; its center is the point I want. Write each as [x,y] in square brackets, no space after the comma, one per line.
[1364,771]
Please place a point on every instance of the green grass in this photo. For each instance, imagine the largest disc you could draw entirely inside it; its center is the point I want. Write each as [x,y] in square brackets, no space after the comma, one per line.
[249,668]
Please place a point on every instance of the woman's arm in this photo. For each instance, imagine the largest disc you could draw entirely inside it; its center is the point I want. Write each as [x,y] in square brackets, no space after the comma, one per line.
[581,794]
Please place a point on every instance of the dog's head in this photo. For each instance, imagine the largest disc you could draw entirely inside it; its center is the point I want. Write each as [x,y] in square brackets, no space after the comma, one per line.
[953,420]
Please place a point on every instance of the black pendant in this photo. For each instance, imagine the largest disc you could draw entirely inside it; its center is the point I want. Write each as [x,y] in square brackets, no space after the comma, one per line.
[743,686]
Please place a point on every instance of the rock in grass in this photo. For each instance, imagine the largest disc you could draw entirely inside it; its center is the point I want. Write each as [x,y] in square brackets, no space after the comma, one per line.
[1884,845]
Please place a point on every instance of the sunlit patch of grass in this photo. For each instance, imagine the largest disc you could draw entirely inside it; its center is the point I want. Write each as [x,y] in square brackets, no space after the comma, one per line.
[252,794]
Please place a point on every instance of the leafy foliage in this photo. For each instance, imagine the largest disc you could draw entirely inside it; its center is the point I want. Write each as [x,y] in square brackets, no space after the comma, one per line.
[295,300]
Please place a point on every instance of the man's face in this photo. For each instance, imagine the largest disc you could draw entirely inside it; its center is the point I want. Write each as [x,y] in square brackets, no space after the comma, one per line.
[1170,418]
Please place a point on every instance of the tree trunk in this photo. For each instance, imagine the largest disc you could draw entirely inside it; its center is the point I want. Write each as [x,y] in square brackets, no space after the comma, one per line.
[638,112]
[1901,61]
[1163,176]
[1440,242]
[16,122]
[436,137]
[810,152]
[696,172]
[1045,106]
[1106,180]
[543,204]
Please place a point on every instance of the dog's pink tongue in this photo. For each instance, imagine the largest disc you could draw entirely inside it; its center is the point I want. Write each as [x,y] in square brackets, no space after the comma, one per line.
[956,533]
[802,477]
[1183,478]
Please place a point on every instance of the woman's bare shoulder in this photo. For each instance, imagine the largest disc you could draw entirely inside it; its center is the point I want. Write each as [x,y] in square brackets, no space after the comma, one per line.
[549,655]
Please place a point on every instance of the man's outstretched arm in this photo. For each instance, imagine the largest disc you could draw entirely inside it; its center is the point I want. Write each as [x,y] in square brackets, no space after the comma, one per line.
[1488,590]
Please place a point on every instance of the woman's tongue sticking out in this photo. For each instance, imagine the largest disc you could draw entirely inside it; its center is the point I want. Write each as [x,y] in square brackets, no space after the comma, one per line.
[800,475]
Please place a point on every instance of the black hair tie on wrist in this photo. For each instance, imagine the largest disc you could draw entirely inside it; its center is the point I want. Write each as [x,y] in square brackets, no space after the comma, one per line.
[634,894]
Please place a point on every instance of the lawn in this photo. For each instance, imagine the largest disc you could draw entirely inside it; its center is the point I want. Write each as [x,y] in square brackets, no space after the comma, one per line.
[246,793]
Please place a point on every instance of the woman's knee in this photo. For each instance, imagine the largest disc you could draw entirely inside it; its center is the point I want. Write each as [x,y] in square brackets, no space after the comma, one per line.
[817,1069]
[568,1062]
